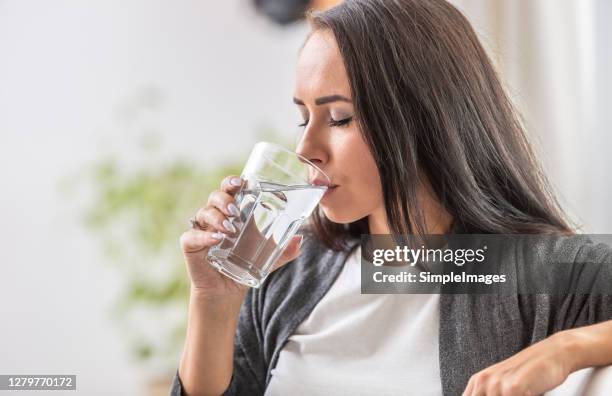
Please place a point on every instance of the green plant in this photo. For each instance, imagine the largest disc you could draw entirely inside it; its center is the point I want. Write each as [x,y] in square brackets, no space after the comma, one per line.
[138,215]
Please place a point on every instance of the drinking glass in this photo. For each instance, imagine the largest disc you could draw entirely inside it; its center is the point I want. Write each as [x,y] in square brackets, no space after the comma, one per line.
[280,190]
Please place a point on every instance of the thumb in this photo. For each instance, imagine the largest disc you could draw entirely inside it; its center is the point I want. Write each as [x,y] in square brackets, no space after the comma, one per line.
[292,250]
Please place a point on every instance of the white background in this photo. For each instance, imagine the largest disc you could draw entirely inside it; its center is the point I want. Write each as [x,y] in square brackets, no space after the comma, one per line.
[71,77]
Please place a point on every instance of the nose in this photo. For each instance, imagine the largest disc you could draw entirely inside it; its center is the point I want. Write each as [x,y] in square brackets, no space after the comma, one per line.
[313,150]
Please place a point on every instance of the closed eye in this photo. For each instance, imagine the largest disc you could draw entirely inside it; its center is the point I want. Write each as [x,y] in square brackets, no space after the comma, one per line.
[332,122]
[342,122]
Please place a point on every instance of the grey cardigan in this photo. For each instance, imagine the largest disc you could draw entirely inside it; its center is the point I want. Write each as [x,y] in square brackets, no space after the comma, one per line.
[476,330]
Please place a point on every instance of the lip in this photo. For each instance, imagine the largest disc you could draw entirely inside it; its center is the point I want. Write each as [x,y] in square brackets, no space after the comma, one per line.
[330,190]
[322,182]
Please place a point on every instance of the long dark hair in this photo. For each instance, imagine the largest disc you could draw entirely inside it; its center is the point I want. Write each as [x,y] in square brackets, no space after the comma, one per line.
[430,104]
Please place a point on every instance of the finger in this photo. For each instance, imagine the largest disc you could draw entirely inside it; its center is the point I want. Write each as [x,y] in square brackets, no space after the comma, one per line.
[216,219]
[476,384]
[231,184]
[224,202]
[517,384]
[195,241]
[470,387]
[493,386]
[292,250]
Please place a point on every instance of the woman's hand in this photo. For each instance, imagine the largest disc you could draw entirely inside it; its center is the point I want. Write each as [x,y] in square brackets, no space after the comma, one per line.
[533,371]
[195,243]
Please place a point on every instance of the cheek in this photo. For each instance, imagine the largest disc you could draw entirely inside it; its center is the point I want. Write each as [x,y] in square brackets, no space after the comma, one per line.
[359,166]
[364,178]
[361,192]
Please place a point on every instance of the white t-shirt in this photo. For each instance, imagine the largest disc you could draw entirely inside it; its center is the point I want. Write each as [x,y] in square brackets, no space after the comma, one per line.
[362,344]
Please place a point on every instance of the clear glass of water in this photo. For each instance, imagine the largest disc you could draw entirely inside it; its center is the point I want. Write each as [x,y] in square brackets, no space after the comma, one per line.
[280,190]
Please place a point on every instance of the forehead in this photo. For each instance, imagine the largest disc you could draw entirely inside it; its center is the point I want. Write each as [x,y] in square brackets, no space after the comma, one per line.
[320,68]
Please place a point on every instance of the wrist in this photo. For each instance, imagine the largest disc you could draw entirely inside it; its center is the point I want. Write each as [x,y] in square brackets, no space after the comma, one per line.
[204,296]
[573,348]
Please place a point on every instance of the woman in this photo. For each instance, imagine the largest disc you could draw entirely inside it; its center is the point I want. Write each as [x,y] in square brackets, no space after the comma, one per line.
[403,109]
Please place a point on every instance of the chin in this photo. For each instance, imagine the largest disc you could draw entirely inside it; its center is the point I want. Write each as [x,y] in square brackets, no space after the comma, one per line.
[339,216]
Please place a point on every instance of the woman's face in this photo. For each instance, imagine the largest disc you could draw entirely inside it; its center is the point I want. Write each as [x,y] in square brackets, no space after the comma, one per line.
[331,138]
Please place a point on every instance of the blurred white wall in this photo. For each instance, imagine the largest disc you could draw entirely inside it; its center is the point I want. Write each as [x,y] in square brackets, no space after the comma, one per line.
[71,74]
[555,56]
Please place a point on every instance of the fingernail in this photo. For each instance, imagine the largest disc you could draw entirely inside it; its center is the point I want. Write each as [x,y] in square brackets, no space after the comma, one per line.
[236,181]
[301,240]
[217,235]
[233,209]
[229,226]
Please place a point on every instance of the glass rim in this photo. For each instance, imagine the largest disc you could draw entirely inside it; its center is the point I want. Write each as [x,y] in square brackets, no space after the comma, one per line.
[308,162]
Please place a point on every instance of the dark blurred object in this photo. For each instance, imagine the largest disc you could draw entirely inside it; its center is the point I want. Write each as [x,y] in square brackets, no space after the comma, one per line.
[283,11]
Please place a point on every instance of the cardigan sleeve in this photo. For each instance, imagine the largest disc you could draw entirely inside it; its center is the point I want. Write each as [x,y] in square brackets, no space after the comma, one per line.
[176,389]
[249,373]
[583,309]
[249,369]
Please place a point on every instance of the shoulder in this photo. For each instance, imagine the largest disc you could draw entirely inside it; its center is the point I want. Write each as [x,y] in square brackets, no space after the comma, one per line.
[578,248]
[597,249]
[567,264]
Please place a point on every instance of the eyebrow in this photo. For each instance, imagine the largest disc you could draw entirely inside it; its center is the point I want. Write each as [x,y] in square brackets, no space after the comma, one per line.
[324,99]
